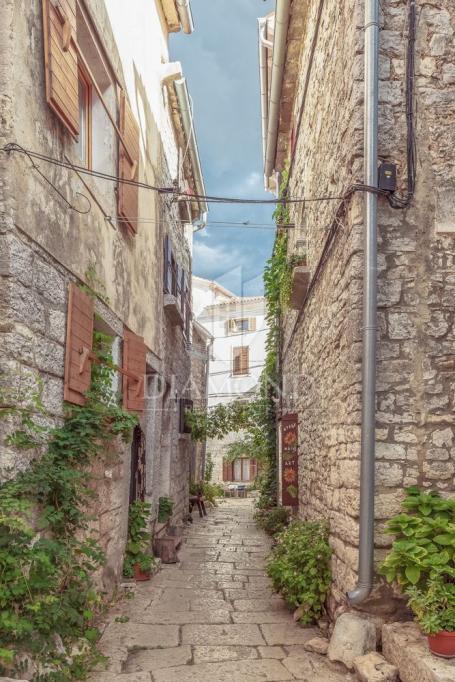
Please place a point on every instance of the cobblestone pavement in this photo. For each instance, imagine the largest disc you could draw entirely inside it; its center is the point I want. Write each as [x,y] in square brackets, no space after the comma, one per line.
[212,617]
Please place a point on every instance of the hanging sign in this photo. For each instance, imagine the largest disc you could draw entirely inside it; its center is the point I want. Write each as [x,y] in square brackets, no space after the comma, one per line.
[289,460]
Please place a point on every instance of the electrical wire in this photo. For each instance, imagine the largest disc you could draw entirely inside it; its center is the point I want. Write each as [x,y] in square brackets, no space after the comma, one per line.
[14,147]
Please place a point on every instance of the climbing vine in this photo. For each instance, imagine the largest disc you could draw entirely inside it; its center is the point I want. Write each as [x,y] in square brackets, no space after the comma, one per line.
[47,555]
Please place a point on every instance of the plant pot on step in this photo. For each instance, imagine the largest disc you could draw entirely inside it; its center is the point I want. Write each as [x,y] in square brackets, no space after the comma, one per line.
[442,644]
[139,574]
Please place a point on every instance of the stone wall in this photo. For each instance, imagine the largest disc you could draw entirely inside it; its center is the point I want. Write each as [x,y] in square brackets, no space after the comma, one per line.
[322,365]
[44,246]
[199,366]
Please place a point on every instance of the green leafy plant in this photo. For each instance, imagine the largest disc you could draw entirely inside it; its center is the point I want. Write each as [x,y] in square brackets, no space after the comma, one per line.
[209,491]
[273,520]
[165,507]
[300,567]
[47,555]
[209,466]
[421,560]
[434,606]
[137,549]
[424,543]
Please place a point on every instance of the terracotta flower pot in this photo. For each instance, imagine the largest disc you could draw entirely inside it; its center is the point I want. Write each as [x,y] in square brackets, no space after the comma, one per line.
[139,574]
[442,644]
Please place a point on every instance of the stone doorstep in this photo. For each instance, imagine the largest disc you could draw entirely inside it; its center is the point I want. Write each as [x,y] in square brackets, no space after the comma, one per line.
[407,648]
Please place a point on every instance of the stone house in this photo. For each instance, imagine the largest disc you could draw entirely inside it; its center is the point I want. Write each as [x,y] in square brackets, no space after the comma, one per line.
[238,329]
[90,103]
[316,132]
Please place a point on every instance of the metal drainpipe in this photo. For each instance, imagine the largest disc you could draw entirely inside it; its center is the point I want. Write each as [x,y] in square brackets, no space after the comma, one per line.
[282,14]
[367,471]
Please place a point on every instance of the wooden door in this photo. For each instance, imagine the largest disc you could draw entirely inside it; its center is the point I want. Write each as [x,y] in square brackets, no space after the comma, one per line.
[137,483]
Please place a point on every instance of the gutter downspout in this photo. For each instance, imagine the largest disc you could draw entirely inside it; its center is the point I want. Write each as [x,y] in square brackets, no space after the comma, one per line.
[367,471]
[183,99]
[264,45]
[185,16]
[282,14]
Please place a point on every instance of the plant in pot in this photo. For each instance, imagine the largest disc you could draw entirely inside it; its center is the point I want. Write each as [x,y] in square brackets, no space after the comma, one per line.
[165,507]
[138,560]
[421,562]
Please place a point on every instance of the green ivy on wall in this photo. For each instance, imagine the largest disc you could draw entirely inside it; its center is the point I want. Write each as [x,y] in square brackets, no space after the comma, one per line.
[47,555]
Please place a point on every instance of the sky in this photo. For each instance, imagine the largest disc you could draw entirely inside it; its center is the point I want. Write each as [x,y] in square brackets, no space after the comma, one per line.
[220,62]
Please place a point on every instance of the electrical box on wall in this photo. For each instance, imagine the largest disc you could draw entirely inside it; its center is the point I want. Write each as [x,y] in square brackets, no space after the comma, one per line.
[388,177]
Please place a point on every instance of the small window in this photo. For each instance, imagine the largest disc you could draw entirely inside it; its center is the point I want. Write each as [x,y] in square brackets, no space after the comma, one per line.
[241,325]
[240,361]
[84,143]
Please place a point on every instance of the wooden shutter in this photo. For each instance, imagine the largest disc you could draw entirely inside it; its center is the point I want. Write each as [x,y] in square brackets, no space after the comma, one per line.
[60,61]
[128,195]
[241,360]
[245,365]
[253,469]
[79,341]
[236,361]
[252,324]
[227,471]
[134,368]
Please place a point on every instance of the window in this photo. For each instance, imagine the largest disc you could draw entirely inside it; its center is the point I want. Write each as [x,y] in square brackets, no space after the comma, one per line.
[242,470]
[97,138]
[83,92]
[240,360]
[84,143]
[241,325]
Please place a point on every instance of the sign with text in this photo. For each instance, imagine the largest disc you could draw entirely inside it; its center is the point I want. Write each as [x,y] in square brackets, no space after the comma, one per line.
[290,460]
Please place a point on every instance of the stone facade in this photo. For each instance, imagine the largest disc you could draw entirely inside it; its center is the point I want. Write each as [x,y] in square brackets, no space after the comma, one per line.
[200,359]
[416,305]
[45,246]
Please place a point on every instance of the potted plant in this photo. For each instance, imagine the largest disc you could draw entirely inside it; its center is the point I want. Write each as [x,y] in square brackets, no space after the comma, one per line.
[421,562]
[434,608]
[138,560]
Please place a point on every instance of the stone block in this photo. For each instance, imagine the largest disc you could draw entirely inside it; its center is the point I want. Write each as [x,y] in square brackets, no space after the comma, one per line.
[287,634]
[265,670]
[374,668]
[212,654]
[225,635]
[352,636]
[156,659]
[406,647]
[317,645]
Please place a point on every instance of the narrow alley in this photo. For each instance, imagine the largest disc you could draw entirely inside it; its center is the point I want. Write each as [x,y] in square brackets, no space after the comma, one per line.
[213,616]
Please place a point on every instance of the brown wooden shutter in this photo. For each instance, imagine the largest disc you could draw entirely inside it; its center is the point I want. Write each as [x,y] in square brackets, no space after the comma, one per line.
[253,469]
[60,61]
[134,366]
[252,324]
[240,360]
[244,360]
[128,195]
[236,361]
[79,342]
[227,471]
